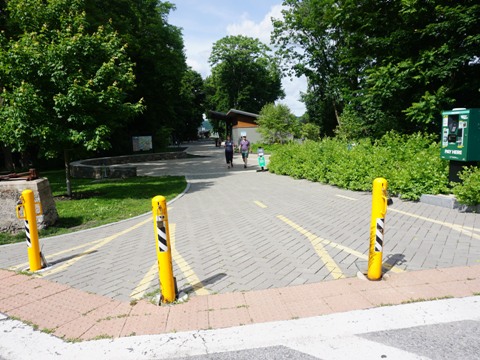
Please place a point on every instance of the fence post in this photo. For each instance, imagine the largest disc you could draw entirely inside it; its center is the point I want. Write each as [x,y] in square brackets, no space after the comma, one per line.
[379,210]
[164,253]
[30,217]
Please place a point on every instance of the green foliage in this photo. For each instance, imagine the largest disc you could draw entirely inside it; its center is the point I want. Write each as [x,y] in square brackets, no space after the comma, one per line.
[101,202]
[192,97]
[310,131]
[62,86]
[467,191]
[244,75]
[277,124]
[382,65]
[411,164]
[156,47]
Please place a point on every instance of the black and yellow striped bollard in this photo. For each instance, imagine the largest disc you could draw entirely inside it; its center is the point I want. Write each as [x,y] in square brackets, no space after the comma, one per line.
[377,227]
[27,206]
[164,251]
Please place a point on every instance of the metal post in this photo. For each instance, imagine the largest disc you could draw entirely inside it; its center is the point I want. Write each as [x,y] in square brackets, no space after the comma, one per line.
[164,253]
[379,210]
[30,217]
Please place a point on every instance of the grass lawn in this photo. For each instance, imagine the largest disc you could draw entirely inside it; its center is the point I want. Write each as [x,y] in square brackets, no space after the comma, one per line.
[99,202]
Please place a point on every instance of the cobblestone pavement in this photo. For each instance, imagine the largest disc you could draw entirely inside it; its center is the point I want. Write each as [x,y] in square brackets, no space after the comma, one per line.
[240,229]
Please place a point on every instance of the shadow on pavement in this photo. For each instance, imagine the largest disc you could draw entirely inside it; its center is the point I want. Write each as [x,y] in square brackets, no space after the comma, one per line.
[203,283]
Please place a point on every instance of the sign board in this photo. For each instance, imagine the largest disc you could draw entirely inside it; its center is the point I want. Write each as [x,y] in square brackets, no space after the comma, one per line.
[142,143]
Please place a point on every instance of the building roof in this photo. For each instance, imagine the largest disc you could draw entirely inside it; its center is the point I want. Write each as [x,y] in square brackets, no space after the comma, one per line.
[231,114]
[240,112]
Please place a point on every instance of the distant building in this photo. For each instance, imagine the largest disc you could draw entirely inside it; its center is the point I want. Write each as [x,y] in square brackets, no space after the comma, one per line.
[239,123]
[205,130]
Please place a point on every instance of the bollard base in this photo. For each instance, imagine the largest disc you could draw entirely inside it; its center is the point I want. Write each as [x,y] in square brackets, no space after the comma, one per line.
[44,261]
[379,279]
[361,275]
[159,299]
[364,276]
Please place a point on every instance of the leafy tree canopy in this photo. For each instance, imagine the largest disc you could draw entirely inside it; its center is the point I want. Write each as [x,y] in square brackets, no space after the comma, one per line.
[380,65]
[61,86]
[244,75]
[277,124]
[156,47]
[192,97]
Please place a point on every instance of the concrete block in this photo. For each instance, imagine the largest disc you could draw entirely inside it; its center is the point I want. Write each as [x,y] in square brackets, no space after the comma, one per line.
[449,202]
[10,192]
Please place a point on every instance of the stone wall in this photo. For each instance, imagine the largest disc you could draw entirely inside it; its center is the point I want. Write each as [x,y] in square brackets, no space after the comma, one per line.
[10,192]
[114,167]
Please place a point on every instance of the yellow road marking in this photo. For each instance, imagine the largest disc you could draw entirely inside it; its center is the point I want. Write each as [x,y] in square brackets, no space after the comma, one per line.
[335,245]
[187,271]
[346,197]
[462,229]
[331,265]
[104,242]
[144,284]
[262,205]
[53,256]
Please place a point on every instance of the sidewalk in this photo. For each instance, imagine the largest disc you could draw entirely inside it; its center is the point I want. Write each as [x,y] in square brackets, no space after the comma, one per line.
[74,315]
[279,272]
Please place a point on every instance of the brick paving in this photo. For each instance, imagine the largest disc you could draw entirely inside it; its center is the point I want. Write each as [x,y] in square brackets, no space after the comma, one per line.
[76,315]
[256,242]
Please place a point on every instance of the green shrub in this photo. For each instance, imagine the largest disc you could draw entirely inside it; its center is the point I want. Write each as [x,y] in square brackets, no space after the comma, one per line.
[411,164]
[468,191]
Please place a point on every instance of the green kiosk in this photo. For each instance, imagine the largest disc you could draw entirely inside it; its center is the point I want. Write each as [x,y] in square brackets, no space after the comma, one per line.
[460,139]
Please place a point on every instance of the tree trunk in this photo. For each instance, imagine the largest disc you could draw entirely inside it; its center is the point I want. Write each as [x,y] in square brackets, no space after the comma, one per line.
[67,172]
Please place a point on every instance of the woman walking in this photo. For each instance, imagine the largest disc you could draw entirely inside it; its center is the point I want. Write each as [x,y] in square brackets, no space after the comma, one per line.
[229,152]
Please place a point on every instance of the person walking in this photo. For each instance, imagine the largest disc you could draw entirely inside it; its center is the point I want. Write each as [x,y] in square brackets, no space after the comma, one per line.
[244,149]
[229,152]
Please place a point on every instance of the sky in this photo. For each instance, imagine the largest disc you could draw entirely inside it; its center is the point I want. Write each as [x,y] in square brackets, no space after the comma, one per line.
[203,22]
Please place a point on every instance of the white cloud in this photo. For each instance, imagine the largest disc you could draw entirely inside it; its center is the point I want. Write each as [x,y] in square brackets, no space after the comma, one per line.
[206,21]
[262,30]
[197,55]
[293,88]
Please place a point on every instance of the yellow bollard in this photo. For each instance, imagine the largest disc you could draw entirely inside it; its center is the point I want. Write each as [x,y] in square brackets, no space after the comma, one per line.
[164,252]
[30,216]
[379,210]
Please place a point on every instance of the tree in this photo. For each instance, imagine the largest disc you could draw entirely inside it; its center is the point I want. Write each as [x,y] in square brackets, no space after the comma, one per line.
[157,49]
[310,131]
[382,65]
[277,124]
[192,97]
[244,75]
[307,40]
[63,87]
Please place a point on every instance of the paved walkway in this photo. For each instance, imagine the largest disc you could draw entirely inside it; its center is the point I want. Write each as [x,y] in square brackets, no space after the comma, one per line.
[249,247]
